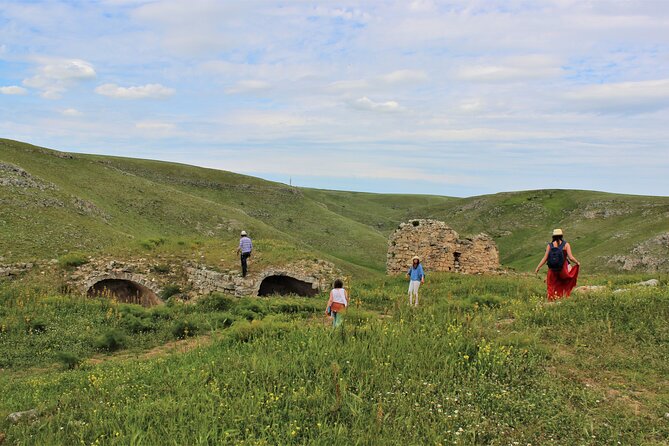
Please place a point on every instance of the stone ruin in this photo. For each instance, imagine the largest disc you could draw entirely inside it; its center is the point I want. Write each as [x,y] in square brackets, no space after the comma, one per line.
[440,249]
[140,282]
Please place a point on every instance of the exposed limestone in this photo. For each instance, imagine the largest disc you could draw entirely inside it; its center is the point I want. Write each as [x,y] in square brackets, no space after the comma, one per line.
[15,417]
[14,270]
[589,289]
[651,282]
[11,175]
[651,255]
[440,249]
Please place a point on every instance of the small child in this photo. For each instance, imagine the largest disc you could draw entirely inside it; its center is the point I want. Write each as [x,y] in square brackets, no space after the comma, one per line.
[337,303]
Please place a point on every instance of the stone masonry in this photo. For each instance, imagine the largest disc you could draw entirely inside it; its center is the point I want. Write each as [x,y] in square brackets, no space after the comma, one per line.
[440,249]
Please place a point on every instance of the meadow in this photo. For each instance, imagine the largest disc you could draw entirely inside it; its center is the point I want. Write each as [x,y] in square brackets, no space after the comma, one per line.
[484,360]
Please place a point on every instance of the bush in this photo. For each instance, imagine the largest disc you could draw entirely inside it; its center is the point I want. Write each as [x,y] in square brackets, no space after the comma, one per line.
[161,268]
[222,320]
[184,329]
[169,291]
[111,341]
[151,243]
[161,312]
[135,324]
[72,260]
[217,302]
[35,326]
[69,360]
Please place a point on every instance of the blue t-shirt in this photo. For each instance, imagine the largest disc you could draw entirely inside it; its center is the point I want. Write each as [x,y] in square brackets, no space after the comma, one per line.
[416,273]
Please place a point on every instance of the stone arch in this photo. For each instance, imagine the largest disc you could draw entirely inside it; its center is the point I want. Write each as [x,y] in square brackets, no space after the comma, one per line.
[283,283]
[125,288]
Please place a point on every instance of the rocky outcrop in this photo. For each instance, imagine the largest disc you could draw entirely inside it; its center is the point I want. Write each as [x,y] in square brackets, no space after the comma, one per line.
[440,249]
[651,255]
[11,175]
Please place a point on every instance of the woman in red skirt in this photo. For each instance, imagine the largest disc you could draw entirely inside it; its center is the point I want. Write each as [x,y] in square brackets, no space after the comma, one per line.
[562,275]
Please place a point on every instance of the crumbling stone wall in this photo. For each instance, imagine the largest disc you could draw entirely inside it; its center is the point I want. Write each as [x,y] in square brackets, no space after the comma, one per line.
[440,249]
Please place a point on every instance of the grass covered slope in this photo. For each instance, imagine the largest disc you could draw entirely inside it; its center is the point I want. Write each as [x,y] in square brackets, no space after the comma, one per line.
[99,204]
[483,361]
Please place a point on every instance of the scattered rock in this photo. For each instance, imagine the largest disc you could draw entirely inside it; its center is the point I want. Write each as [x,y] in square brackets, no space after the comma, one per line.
[620,290]
[20,416]
[589,288]
[651,282]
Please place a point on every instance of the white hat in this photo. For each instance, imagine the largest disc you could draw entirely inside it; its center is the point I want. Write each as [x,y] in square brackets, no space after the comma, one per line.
[244,233]
[557,231]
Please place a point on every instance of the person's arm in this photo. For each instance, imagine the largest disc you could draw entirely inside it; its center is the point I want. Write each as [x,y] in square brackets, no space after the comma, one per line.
[329,303]
[571,258]
[239,248]
[409,274]
[346,297]
[543,261]
[422,274]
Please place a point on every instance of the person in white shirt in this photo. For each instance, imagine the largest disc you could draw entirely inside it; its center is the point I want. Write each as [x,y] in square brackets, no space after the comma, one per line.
[337,303]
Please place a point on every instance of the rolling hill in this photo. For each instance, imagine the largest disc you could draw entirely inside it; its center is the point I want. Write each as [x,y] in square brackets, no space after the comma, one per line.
[55,202]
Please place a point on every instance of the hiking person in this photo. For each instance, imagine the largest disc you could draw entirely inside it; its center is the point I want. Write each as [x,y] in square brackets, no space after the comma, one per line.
[416,277]
[337,303]
[244,249]
[562,276]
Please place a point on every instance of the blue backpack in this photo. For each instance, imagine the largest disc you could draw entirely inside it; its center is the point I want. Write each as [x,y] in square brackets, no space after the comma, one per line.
[556,256]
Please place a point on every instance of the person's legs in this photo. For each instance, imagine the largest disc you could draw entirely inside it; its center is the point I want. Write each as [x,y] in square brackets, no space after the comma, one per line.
[410,292]
[336,319]
[244,264]
[415,290]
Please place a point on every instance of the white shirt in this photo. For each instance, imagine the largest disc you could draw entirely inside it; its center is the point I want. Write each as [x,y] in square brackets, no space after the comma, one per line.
[339,296]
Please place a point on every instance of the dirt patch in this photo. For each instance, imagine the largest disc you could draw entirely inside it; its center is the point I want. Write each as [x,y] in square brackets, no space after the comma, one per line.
[180,346]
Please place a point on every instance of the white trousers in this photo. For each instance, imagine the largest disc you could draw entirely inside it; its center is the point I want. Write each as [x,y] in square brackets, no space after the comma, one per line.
[413,291]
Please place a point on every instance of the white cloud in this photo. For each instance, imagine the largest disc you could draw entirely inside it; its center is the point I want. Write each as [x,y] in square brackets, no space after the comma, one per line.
[55,77]
[364,103]
[71,112]
[148,91]
[13,90]
[248,85]
[623,97]
[401,76]
[521,68]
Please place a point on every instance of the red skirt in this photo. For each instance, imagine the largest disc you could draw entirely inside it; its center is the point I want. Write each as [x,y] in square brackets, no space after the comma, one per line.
[561,283]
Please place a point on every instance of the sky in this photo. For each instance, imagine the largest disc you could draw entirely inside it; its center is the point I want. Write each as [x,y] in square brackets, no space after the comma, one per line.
[455,98]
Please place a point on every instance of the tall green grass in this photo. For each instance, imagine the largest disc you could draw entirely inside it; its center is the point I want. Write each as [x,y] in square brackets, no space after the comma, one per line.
[484,360]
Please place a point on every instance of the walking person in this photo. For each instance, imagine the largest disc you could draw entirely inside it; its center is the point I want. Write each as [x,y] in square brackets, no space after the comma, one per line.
[562,275]
[244,250]
[416,277]
[337,303]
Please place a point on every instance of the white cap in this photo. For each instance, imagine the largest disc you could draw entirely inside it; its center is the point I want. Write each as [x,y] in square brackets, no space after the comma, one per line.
[244,233]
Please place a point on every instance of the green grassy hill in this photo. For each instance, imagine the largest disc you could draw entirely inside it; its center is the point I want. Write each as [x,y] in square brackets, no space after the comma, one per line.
[56,203]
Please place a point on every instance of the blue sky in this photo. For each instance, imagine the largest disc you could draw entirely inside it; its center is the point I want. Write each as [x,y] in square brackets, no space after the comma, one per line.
[442,97]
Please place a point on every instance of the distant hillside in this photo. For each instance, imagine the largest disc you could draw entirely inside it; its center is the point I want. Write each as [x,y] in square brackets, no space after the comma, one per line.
[54,202]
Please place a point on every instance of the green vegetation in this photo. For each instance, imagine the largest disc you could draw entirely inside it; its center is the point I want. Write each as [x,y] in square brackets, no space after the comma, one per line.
[130,207]
[485,360]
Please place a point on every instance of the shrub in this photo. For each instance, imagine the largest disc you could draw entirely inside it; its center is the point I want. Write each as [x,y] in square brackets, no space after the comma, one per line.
[151,243]
[161,312]
[111,341]
[184,329]
[72,260]
[161,268]
[36,325]
[135,324]
[169,291]
[222,320]
[217,302]
[69,360]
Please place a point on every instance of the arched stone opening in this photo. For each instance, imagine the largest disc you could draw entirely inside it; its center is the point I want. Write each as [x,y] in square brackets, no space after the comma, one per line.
[286,285]
[125,291]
